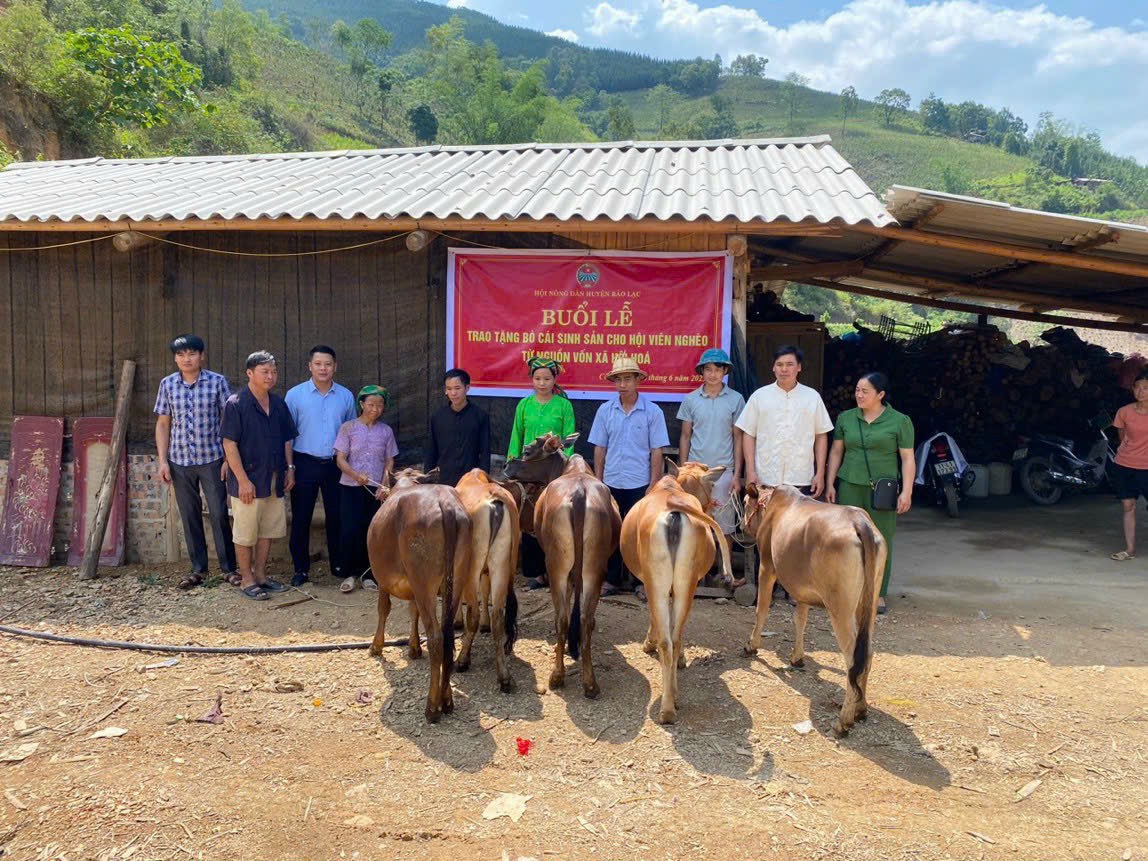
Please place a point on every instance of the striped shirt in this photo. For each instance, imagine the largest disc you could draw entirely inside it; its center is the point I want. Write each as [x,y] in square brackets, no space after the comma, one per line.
[196,410]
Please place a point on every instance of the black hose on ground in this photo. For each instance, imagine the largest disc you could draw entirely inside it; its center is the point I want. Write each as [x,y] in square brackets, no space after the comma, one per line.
[194,650]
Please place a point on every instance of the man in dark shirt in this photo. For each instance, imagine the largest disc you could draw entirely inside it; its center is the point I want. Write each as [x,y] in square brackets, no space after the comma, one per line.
[257,434]
[459,432]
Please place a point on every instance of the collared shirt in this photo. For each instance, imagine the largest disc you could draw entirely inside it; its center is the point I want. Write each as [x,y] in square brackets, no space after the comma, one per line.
[880,441]
[711,424]
[533,419]
[786,424]
[459,442]
[628,439]
[366,448]
[196,410]
[261,437]
[319,416]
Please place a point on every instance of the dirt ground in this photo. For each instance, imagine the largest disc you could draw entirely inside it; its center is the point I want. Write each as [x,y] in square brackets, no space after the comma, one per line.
[1013,658]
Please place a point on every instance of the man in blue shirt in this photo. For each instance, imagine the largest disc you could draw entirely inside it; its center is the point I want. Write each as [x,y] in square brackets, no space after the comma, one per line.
[628,435]
[318,406]
[257,433]
[188,411]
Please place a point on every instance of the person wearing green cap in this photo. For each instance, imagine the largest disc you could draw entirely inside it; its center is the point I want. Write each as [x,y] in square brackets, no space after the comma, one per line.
[548,410]
[709,435]
[365,452]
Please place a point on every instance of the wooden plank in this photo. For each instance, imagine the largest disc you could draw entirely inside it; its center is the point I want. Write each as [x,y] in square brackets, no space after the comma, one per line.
[73,304]
[52,323]
[32,486]
[91,447]
[29,340]
[7,324]
[99,342]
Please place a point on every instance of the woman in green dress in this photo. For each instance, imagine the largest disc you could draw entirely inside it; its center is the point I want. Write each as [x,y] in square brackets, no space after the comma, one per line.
[548,410]
[876,432]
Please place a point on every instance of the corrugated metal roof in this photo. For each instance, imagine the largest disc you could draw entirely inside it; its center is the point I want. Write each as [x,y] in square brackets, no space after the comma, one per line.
[791,179]
[1002,222]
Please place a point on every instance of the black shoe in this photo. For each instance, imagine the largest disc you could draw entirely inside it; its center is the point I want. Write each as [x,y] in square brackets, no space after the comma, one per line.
[299,579]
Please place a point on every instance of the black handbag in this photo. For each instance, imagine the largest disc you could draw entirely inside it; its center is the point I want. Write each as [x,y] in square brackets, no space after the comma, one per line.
[883,492]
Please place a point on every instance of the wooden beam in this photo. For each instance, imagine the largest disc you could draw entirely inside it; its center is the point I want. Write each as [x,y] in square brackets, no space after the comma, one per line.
[461,225]
[798,271]
[1010,313]
[918,222]
[1001,249]
[941,286]
[1071,245]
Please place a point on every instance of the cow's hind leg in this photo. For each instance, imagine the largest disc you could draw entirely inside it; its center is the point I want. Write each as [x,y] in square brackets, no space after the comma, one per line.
[800,617]
[659,599]
[426,609]
[381,629]
[853,706]
[472,624]
[766,577]
[590,592]
[484,603]
[414,645]
[558,564]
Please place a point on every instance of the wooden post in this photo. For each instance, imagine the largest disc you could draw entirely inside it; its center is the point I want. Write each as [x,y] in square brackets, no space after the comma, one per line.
[739,246]
[95,541]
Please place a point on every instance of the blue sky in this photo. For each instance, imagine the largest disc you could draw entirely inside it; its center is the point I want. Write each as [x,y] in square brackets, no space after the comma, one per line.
[1087,62]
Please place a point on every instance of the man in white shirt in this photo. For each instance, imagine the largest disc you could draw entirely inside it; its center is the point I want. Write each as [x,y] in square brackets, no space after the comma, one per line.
[786,429]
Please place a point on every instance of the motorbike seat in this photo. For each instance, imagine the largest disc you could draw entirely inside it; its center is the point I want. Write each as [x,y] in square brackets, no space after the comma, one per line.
[1057,440]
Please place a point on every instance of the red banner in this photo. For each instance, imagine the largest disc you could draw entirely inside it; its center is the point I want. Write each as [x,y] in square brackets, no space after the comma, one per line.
[585,309]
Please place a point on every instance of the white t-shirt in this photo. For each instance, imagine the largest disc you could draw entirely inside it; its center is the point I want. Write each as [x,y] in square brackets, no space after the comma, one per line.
[785,425]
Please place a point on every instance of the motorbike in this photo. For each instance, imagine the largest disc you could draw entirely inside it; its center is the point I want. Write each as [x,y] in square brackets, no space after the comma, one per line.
[1048,465]
[943,474]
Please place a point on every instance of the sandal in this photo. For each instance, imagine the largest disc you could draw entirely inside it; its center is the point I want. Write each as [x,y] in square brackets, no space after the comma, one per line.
[348,585]
[1121,556]
[640,593]
[233,578]
[368,583]
[273,585]
[255,592]
[195,578]
[609,590]
[533,583]
[882,607]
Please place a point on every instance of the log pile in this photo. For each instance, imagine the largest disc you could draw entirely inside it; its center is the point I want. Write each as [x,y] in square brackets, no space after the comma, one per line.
[971,382]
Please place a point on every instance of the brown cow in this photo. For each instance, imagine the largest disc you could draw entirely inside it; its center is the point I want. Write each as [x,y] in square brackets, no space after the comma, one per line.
[419,545]
[578,524]
[825,555]
[495,536]
[670,542]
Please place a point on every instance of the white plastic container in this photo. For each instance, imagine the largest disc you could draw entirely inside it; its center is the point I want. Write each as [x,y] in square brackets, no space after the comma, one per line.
[1000,479]
[979,489]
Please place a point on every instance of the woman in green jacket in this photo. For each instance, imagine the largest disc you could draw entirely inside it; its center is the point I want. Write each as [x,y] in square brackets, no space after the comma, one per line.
[870,443]
[548,410]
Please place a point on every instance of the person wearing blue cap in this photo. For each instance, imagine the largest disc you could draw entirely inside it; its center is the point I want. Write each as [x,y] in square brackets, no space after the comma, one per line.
[709,434]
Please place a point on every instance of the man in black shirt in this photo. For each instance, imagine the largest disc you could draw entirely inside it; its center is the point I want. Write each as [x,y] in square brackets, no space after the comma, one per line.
[459,432]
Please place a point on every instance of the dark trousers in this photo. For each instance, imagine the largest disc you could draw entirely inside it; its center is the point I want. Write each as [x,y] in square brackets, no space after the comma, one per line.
[358,507]
[187,481]
[616,572]
[312,475]
[533,559]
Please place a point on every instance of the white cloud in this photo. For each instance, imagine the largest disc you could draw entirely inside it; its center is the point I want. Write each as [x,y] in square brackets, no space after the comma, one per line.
[605,19]
[568,35]
[1029,60]
[457,4]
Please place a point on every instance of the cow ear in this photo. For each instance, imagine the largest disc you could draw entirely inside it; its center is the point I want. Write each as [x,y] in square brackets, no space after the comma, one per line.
[713,475]
[671,468]
[570,440]
[430,477]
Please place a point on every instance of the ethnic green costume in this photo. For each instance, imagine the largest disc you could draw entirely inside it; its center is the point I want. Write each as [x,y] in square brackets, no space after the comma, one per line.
[884,437]
[533,419]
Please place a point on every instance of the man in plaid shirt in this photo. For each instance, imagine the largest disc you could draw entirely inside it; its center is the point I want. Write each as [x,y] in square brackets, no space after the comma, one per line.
[188,411]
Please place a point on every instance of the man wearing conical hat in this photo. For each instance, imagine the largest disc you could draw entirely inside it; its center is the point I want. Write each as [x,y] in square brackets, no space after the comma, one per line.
[628,436]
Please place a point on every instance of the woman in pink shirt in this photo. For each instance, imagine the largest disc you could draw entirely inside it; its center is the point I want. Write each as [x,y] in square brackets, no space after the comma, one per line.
[1130,472]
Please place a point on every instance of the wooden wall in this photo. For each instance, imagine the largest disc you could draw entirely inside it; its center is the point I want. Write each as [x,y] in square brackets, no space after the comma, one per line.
[70,315]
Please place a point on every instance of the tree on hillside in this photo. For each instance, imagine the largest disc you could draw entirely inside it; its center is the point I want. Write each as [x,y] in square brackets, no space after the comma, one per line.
[232,33]
[891,102]
[723,124]
[748,66]
[148,82]
[935,115]
[698,77]
[423,124]
[847,106]
[663,100]
[794,94]
[621,120]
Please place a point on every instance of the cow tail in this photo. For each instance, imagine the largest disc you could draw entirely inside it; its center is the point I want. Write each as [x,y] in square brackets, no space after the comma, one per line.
[865,607]
[577,531]
[510,617]
[450,536]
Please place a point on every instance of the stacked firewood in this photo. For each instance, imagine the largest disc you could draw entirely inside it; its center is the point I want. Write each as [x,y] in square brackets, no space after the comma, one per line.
[972,383]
